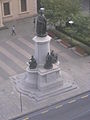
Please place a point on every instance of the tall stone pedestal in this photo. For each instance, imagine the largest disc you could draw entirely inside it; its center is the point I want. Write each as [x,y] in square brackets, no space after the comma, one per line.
[42,47]
[41,83]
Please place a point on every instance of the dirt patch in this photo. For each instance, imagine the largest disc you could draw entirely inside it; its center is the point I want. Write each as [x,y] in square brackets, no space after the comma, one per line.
[65,43]
[80,50]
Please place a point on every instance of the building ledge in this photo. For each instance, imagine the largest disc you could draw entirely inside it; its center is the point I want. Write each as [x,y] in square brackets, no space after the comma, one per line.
[26,12]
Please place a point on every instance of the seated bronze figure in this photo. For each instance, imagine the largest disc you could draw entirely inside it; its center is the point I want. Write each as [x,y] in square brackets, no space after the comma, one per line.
[32,63]
[54,57]
[48,64]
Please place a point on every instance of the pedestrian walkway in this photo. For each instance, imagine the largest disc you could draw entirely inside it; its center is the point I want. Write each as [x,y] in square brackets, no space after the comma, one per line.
[9,60]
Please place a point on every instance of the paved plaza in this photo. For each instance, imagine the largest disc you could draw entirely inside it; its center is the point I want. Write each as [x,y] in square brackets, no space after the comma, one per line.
[15,51]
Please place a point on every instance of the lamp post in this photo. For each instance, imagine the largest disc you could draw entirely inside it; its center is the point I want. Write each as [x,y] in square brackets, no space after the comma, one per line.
[71,23]
[21,101]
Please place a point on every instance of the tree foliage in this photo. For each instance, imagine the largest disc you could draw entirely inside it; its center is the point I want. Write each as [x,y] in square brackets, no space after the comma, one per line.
[59,11]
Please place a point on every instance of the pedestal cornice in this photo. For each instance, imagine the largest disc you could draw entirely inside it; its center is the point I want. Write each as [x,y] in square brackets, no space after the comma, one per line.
[42,39]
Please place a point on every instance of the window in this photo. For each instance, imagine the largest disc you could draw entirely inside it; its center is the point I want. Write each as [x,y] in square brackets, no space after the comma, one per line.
[6,8]
[23,6]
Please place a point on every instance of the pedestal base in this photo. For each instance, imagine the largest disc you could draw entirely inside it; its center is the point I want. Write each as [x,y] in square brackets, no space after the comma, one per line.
[64,84]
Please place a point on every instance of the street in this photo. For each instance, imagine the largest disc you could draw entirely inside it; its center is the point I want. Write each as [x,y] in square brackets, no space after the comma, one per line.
[86,116]
[77,108]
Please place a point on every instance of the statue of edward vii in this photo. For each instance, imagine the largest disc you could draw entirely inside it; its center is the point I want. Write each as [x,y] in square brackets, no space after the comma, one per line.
[41,24]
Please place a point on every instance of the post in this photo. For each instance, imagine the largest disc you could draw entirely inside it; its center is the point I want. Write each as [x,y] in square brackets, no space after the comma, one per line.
[21,101]
[71,23]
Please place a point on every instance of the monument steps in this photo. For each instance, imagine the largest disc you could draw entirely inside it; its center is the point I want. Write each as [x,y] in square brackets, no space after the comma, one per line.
[39,95]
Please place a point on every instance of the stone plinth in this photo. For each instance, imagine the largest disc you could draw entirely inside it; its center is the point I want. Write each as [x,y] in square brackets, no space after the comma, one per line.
[42,47]
[44,80]
[40,87]
[41,83]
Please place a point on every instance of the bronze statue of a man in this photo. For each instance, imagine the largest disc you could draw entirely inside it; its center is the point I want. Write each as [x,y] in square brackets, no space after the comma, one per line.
[48,64]
[32,63]
[41,28]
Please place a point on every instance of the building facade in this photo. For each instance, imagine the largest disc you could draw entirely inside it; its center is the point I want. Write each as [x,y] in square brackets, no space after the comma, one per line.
[16,9]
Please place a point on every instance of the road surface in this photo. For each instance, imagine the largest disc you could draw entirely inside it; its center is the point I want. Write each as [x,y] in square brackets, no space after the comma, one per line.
[77,108]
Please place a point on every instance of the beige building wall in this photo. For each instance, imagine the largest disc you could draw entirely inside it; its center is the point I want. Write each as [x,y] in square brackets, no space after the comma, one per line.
[1,22]
[15,9]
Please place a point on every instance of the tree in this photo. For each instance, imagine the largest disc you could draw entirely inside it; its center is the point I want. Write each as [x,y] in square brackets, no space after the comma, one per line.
[38,5]
[60,11]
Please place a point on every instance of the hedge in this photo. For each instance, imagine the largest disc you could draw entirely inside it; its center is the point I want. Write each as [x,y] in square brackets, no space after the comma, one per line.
[74,42]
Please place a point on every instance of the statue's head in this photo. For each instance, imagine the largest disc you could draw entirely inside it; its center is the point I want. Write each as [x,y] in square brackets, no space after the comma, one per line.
[42,10]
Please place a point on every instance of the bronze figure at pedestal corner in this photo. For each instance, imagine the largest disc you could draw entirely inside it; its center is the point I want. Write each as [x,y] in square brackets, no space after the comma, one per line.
[32,63]
[48,64]
[54,57]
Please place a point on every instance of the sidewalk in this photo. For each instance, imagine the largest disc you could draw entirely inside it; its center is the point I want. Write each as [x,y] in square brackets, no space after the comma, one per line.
[78,67]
